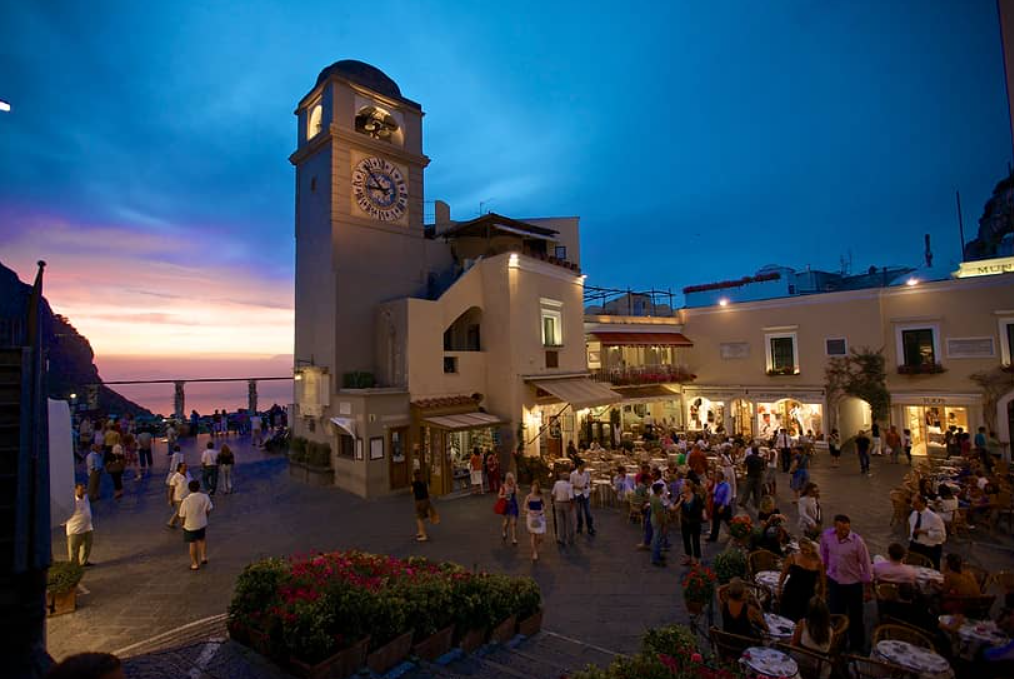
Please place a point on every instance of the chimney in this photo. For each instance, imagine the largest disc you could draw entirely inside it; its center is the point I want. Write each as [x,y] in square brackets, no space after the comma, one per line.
[929,253]
[443,212]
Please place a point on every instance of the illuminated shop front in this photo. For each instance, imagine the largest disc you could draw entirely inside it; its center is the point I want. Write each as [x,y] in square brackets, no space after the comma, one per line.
[794,416]
[562,406]
[446,444]
[929,417]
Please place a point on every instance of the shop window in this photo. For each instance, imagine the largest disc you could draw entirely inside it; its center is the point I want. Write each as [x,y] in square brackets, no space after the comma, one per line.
[917,347]
[782,354]
[346,446]
[837,346]
[1007,340]
[450,365]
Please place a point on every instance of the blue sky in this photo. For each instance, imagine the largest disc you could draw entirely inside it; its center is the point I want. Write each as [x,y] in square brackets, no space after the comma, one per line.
[147,150]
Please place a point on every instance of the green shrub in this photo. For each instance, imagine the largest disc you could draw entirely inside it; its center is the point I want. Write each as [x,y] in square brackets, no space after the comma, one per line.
[318,454]
[297,446]
[730,564]
[63,576]
[528,597]
[671,640]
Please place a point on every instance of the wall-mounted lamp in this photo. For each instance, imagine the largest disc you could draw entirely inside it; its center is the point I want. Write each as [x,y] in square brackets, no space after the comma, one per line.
[512,262]
[723,302]
[912,281]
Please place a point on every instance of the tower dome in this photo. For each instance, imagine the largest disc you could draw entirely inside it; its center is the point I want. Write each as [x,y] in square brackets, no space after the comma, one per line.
[366,75]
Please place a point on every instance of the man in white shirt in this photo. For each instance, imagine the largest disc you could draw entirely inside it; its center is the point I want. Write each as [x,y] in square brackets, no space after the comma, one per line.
[580,481]
[926,531]
[209,468]
[79,528]
[194,511]
[255,428]
[783,442]
[179,488]
[563,509]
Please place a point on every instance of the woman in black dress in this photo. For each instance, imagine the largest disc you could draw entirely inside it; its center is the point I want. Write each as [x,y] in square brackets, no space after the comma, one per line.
[806,578]
[691,509]
[423,508]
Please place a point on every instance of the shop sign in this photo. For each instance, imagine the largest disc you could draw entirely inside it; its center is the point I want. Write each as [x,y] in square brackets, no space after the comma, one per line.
[771,397]
[934,401]
[985,267]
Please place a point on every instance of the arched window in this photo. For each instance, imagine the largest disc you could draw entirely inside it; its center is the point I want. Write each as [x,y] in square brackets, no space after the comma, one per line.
[315,121]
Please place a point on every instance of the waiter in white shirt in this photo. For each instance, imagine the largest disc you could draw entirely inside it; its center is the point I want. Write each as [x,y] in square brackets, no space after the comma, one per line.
[79,528]
[927,532]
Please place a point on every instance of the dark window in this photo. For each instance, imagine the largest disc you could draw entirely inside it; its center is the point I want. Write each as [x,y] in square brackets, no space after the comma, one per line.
[781,354]
[346,446]
[918,347]
[552,359]
[473,339]
[450,364]
[561,251]
[313,184]
[449,339]
[836,347]
[1010,341]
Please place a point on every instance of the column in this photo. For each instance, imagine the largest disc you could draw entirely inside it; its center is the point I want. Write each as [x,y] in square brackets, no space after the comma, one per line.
[179,404]
[251,396]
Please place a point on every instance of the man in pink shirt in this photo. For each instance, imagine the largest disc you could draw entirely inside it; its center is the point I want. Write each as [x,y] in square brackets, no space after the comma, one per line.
[849,575]
[894,571]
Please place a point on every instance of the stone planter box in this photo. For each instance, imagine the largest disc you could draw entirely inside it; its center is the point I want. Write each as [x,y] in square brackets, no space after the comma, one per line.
[342,664]
[436,645]
[504,631]
[391,653]
[531,625]
[314,476]
[472,639]
[60,603]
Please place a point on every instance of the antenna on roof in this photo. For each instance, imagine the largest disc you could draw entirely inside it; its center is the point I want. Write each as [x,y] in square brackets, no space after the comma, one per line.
[482,204]
[929,253]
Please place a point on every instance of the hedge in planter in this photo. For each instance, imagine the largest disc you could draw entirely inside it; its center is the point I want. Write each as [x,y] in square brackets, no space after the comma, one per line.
[310,608]
[730,564]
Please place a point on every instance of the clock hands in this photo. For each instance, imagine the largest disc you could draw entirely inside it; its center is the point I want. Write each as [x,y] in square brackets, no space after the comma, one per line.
[377,184]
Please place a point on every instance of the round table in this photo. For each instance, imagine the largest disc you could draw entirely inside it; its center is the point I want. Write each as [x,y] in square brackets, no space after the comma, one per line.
[925,576]
[928,664]
[768,662]
[974,635]
[778,627]
[768,579]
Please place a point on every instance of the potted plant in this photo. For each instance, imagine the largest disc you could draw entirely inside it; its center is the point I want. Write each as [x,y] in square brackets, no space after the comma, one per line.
[390,641]
[529,606]
[61,587]
[730,564]
[429,612]
[698,588]
[741,528]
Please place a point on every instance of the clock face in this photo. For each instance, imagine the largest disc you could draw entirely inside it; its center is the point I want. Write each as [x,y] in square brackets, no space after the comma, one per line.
[379,189]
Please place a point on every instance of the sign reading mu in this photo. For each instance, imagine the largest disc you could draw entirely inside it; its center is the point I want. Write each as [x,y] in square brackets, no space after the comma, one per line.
[985,267]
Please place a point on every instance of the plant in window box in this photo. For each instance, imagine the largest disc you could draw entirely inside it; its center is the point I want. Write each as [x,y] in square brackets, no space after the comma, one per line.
[776,372]
[921,369]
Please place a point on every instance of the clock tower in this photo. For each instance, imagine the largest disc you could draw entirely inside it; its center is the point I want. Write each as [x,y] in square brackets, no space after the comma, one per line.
[359,216]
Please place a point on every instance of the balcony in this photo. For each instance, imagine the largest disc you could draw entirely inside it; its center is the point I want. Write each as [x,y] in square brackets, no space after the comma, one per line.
[921,369]
[646,374]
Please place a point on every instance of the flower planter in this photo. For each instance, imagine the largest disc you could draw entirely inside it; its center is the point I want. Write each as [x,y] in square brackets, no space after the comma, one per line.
[238,632]
[297,470]
[504,631]
[694,607]
[319,476]
[60,603]
[342,664]
[260,642]
[390,654]
[472,639]
[531,625]
[435,646]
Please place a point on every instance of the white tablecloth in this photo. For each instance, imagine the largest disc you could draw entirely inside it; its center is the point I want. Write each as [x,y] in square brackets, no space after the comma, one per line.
[779,627]
[925,576]
[768,579]
[929,664]
[768,662]
[974,635]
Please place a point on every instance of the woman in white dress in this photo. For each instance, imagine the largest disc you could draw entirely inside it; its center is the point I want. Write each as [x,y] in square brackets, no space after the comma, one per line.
[535,518]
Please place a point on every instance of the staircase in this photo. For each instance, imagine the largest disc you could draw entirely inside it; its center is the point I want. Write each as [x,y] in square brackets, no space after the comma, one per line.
[545,656]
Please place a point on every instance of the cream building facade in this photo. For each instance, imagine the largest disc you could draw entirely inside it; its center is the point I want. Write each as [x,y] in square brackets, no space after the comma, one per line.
[416,343]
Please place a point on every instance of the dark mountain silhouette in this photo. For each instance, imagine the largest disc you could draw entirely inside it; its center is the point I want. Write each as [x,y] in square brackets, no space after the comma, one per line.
[71,359]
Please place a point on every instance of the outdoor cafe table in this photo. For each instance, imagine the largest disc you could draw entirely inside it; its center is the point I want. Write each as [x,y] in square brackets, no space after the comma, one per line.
[974,635]
[924,576]
[768,662]
[768,579]
[779,628]
[928,664]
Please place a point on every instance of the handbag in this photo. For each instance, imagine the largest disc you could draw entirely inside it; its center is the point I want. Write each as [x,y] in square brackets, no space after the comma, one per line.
[500,506]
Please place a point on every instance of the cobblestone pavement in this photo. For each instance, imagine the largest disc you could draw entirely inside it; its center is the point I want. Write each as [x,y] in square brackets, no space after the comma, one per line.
[600,591]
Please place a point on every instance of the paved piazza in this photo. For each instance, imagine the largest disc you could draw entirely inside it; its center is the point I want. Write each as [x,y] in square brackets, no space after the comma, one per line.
[601,591]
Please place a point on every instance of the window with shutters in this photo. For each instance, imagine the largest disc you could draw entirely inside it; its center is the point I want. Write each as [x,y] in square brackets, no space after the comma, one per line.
[782,353]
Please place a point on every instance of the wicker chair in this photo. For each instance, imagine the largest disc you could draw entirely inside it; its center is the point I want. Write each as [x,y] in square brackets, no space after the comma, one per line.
[917,559]
[634,513]
[757,595]
[868,668]
[902,633]
[730,646]
[762,560]
[981,575]
[812,665]
[975,607]
[839,633]
[901,507]
[1004,580]
[959,523]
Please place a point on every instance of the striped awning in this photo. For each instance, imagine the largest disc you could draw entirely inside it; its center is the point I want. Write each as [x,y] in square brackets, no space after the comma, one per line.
[642,339]
[463,421]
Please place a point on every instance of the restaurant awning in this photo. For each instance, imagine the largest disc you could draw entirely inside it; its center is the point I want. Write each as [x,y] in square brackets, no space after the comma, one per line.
[579,392]
[463,421]
[642,339]
[346,423]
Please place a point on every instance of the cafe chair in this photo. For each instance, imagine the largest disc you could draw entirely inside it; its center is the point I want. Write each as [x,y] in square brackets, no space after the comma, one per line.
[634,513]
[762,560]
[730,646]
[917,559]
[893,632]
[756,594]
[812,665]
[901,507]
[958,524]
[868,668]
[1004,580]
[839,633]
[974,607]
[981,575]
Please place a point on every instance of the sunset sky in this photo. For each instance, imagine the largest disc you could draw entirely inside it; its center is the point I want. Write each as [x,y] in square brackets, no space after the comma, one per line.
[145,156]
